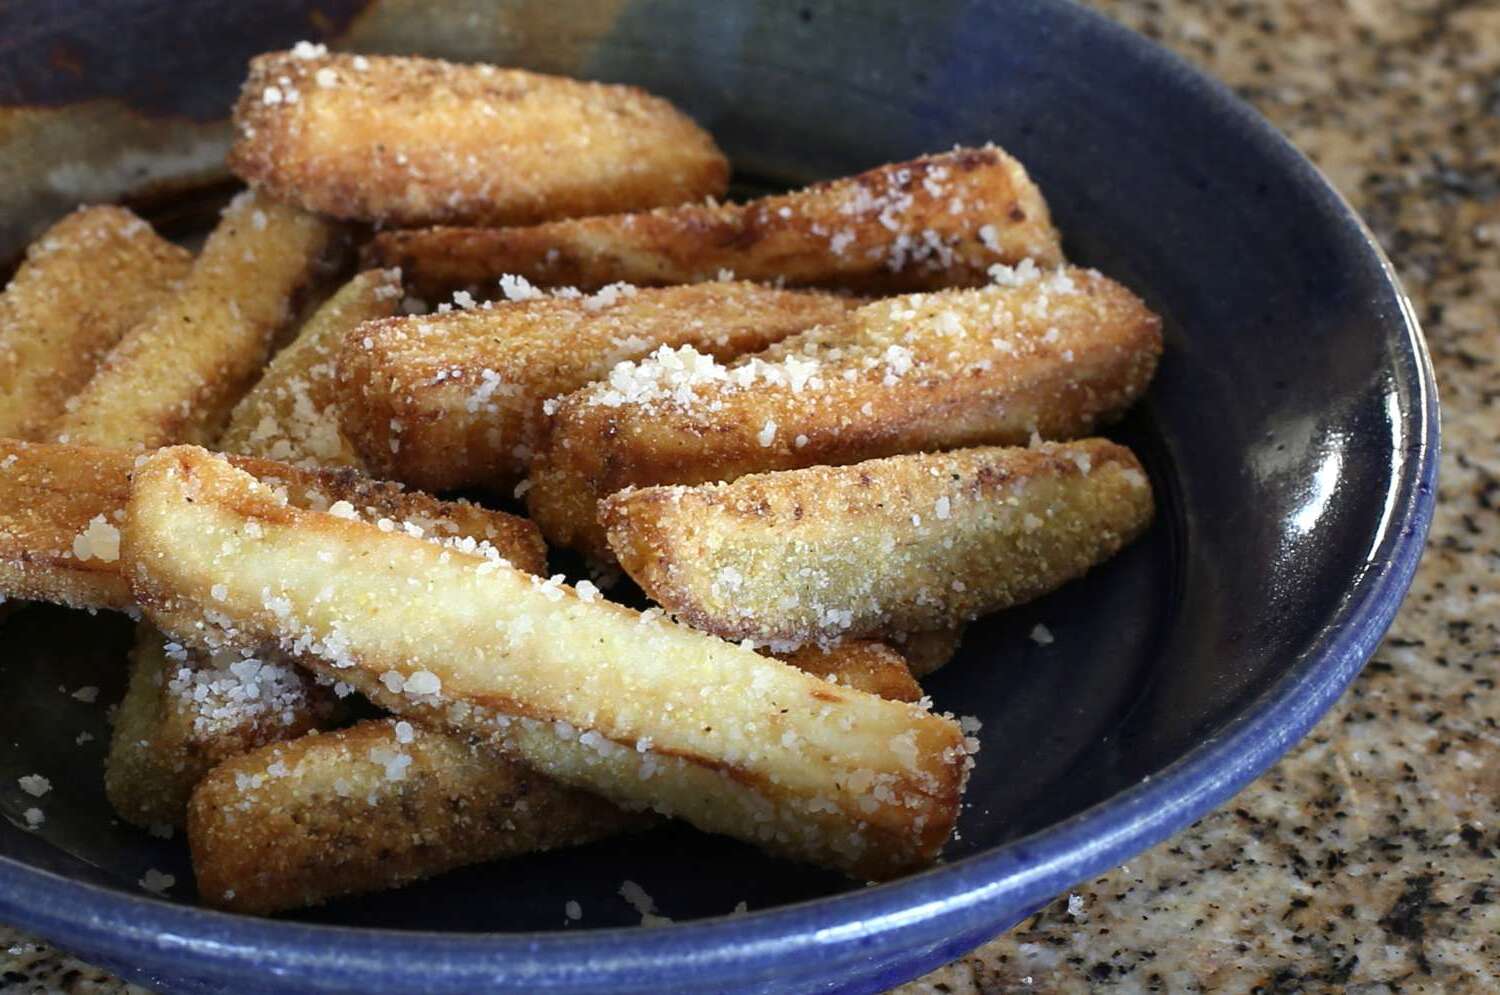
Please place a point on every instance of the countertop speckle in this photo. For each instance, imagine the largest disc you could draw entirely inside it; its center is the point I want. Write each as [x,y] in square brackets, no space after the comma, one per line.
[1367,859]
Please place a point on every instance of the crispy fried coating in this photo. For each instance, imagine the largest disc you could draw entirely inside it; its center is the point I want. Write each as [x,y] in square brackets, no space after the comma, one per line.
[83,284]
[377,805]
[862,664]
[374,806]
[1055,352]
[180,719]
[938,221]
[58,502]
[411,141]
[175,375]
[901,544]
[455,400]
[291,414]
[639,709]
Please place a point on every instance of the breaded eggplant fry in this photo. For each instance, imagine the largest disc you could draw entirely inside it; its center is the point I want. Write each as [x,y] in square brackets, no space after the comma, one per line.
[927,652]
[410,141]
[385,803]
[375,806]
[638,709]
[180,719]
[83,284]
[1055,353]
[291,413]
[455,400]
[176,374]
[938,221]
[901,544]
[862,664]
[60,508]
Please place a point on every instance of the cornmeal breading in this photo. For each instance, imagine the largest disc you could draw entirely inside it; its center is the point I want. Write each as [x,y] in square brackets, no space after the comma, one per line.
[636,708]
[1054,352]
[456,400]
[176,374]
[901,544]
[378,805]
[180,718]
[411,141]
[938,221]
[291,413]
[61,508]
[82,285]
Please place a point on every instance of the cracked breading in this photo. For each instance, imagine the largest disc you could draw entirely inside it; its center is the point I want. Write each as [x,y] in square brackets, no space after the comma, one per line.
[456,400]
[83,284]
[641,710]
[913,225]
[1052,352]
[50,493]
[295,824]
[412,141]
[901,544]
[174,376]
[291,413]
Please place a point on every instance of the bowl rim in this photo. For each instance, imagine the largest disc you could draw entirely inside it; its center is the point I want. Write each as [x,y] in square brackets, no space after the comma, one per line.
[978,895]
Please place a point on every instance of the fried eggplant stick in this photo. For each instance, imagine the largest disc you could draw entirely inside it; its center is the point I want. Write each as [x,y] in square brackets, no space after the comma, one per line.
[456,400]
[905,543]
[175,375]
[638,709]
[61,507]
[938,221]
[371,807]
[82,286]
[291,413]
[182,717]
[410,141]
[1056,353]
[385,803]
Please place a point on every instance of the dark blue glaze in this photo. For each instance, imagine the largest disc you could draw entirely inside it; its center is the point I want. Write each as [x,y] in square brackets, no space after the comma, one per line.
[1291,436]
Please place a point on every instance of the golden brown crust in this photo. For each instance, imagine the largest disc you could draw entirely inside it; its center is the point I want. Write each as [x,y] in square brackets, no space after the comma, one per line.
[455,400]
[902,544]
[182,717]
[175,375]
[50,494]
[83,284]
[371,807]
[862,664]
[1055,353]
[411,141]
[643,711]
[937,221]
[291,413]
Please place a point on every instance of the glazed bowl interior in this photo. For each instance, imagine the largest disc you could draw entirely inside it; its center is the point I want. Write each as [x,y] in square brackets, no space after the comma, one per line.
[1289,435]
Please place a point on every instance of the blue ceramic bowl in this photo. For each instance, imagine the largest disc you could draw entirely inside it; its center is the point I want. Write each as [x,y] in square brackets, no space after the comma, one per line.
[1291,436]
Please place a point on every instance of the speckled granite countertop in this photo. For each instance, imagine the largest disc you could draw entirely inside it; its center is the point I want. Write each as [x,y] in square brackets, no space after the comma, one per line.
[1367,859]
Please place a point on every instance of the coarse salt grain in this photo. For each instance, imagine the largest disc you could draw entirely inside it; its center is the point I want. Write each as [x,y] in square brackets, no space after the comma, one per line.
[156,882]
[100,541]
[767,433]
[1041,635]
[34,785]
[34,817]
[87,694]
[404,732]
[573,911]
